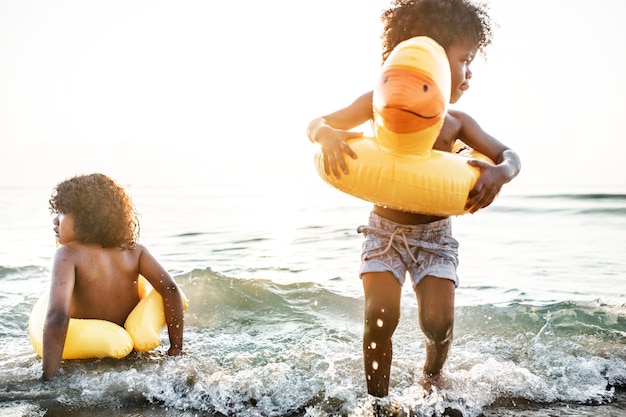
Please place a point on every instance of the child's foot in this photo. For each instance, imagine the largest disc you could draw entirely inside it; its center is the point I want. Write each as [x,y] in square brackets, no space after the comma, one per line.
[452,412]
[384,408]
[429,381]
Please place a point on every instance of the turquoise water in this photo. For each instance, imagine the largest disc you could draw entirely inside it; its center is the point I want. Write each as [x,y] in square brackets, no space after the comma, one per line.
[274,324]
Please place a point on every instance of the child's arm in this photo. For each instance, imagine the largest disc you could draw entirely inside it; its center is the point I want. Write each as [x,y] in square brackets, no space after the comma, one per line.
[332,131]
[165,285]
[492,177]
[58,314]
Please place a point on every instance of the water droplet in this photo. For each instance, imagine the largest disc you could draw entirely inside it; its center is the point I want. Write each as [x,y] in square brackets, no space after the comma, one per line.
[373,345]
[379,322]
[374,365]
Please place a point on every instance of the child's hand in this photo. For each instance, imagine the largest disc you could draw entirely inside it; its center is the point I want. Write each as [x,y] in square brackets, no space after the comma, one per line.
[334,146]
[487,187]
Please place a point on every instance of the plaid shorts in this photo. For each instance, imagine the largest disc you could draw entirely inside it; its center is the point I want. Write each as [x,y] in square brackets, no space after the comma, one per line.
[422,250]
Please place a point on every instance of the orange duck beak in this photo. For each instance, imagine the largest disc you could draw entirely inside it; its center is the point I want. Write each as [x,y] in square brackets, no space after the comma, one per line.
[408,100]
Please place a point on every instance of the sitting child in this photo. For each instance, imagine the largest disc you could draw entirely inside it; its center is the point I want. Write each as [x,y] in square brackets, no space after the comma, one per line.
[97,264]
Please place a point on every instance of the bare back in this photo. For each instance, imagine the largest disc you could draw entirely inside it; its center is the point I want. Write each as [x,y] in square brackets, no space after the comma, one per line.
[89,281]
[105,284]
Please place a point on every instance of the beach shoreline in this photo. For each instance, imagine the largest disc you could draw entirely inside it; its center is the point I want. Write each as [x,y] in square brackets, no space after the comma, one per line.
[502,408]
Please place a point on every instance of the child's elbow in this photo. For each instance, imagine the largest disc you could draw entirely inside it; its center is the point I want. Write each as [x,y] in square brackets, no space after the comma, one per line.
[57,319]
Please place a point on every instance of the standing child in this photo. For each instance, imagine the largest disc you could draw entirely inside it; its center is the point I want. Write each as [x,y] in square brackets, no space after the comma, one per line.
[462,29]
[96,267]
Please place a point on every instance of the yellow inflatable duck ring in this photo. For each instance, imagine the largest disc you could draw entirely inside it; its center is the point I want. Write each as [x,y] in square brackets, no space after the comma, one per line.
[92,338]
[398,167]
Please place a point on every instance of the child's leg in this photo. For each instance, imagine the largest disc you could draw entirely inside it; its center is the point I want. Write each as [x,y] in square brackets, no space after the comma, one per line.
[382,312]
[435,301]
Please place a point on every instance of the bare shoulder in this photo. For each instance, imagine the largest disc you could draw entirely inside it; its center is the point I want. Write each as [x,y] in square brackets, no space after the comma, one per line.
[467,128]
[450,131]
[140,250]
[69,252]
[455,114]
[144,257]
[471,133]
[459,118]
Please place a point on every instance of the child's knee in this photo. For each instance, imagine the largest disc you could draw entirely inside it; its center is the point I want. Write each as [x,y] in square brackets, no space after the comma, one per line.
[439,332]
[381,320]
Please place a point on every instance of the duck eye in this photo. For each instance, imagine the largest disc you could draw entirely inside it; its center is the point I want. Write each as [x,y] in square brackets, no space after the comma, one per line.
[385,80]
[425,88]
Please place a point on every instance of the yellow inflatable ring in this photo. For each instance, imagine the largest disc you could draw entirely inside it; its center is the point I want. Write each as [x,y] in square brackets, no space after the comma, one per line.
[398,167]
[91,338]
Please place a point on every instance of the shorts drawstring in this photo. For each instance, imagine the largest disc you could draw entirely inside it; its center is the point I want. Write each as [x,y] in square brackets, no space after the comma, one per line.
[398,230]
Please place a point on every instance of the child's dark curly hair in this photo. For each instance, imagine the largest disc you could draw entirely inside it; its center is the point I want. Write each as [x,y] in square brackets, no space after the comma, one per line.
[103,212]
[445,21]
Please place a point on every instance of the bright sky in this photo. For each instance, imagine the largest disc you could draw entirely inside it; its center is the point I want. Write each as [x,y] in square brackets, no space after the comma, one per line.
[199,92]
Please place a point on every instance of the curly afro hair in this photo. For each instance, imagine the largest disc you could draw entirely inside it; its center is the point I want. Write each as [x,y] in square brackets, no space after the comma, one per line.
[103,212]
[445,21]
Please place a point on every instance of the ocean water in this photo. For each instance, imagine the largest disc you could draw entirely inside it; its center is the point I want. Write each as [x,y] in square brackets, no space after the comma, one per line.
[275,318]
